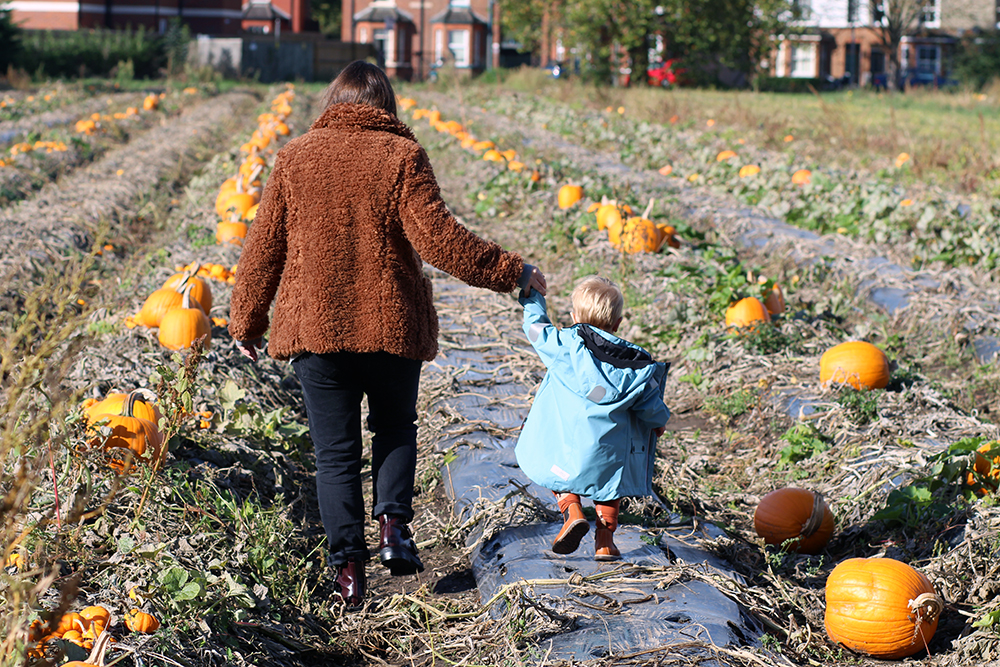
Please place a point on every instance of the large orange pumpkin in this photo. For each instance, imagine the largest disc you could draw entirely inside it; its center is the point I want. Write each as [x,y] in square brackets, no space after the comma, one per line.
[159,302]
[857,363]
[637,234]
[569,195]
[131,437]
[112,404]
[746,313]
[794,514]
[881,607]
[182,326]
[200,289]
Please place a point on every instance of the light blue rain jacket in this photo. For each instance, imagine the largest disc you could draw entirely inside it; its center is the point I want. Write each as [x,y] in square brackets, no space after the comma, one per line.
[589,430]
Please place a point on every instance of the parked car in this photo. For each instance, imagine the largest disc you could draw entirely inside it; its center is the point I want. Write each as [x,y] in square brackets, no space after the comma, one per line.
[666,74]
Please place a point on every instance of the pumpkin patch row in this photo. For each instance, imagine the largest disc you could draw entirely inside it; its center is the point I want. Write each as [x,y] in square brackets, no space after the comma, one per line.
[872,205]
[485,147]
[239,195]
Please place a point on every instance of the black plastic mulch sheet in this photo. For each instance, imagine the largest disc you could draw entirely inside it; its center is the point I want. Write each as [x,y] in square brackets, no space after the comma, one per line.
[614,608]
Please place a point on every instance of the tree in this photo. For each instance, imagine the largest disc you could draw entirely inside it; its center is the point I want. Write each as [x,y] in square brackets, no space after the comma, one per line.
[709,36]
[328,14]
[10,37]
[893,20]
[977,61]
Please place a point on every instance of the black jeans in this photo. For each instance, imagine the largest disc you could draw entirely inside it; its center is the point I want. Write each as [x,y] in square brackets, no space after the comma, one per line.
[333,385]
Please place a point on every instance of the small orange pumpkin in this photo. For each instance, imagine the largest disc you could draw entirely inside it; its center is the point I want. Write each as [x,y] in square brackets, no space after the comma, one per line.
[668,235]
[794,514]
[233,231]
[775,301]
[881,607]
[607,215]
[182,326]
[988,470]
[857,363]
[746,313]
[569,195]
[140,621]
[94,614]
[802,177]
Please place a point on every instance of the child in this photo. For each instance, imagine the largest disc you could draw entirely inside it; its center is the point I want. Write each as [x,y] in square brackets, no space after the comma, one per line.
[592,428]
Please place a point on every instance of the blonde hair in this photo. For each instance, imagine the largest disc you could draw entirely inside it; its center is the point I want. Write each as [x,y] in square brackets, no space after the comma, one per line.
[598,301]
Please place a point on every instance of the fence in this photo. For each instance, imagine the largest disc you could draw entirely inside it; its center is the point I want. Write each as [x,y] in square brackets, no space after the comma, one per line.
[301,56]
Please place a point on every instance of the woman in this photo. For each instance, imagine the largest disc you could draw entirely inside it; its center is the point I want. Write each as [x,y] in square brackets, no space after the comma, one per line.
[348,213]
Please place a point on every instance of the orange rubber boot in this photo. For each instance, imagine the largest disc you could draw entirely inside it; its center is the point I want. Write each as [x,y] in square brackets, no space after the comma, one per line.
[575,524]
[607,522]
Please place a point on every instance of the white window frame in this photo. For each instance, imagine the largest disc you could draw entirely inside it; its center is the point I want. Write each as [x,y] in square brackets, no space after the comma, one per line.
[930,17]
[459,39]
[363,35]
[803,68]
[781,59]
[460,3]
[438,45]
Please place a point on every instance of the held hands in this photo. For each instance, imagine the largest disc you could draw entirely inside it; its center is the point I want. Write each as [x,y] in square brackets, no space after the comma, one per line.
[531,278]
[249,348]
[659,430]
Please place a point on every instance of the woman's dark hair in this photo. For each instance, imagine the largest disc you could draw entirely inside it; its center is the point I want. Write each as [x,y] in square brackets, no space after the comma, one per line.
[361,83]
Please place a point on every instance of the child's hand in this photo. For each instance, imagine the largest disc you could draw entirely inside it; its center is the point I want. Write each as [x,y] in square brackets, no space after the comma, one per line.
[659,430]
[531,277]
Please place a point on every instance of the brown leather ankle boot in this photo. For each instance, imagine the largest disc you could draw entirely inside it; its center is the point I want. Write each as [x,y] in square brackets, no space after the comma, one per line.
[607,522]
[349,583]
[575,524]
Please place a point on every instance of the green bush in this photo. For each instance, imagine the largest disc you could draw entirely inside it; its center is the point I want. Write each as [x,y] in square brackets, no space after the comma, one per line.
[784,84]
[977,58]
[91,52]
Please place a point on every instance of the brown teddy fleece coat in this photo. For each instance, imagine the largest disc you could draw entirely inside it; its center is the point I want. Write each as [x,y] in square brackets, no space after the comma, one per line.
[349,210]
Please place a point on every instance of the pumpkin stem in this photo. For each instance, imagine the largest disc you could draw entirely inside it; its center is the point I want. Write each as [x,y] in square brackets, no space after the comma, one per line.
[649,208]
[816,518]
[927,607]
[129,404]
[96,656]
[186,301]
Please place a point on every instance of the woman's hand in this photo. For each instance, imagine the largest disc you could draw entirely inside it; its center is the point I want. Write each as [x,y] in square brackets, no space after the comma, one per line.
[249,348]
[531,278]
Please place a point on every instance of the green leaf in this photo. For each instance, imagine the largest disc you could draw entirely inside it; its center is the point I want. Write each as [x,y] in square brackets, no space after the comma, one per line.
[125,544]
[174,578]
[190,591]
[230,394]
[987,620]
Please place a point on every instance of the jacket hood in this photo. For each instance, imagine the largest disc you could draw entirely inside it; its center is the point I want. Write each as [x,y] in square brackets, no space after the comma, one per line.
[361,117]
[606,368]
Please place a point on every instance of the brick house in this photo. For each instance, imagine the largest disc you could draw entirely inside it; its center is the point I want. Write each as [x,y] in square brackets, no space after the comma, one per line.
[216,17]
[411,35]
[278,16]
[837,39]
